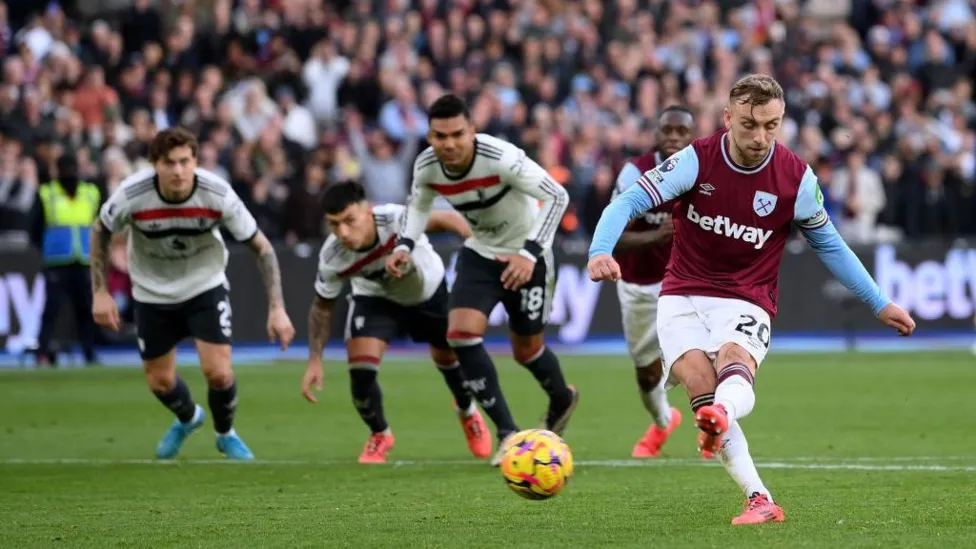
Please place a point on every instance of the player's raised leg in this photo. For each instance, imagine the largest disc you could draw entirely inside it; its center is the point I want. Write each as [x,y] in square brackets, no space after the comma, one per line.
[465,334]
[215,360]
[694,370]
[364,355]
[736,371]
[685,340]
[475,430]
[173,393]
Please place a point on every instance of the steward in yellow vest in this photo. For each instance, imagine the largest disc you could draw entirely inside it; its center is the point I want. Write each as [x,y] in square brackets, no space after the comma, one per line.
[68,207]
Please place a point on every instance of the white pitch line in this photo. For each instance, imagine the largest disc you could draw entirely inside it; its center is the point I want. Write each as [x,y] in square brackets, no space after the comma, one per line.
[793,465]
[875,458]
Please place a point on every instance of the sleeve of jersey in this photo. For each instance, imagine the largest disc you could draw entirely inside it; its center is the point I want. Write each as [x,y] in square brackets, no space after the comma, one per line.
[237,219]
[626,178]
[653,188]
[414,221]
[530,178]
[327,282]
[114,213]
[820,233]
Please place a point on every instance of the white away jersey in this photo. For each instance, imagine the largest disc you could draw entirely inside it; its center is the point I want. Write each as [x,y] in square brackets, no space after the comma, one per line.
[366,269]
[499,195]
[175,250]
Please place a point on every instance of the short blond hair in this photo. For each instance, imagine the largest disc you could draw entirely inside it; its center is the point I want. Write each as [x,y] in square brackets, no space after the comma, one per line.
[755,90]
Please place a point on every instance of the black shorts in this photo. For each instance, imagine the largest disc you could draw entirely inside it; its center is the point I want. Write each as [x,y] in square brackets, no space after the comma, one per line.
[160,327]
[478,285]
[380,318]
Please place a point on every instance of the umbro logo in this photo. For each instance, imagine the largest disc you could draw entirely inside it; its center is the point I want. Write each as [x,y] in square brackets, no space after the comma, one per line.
[706,189]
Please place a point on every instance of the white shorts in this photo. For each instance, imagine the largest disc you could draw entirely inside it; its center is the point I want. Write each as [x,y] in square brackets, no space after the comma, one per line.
[706,323]
[638,311]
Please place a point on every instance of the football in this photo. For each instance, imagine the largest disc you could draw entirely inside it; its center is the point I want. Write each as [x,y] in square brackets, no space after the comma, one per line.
[537,464]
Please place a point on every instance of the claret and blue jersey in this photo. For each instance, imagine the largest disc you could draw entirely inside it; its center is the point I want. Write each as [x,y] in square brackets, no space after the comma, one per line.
[732,223]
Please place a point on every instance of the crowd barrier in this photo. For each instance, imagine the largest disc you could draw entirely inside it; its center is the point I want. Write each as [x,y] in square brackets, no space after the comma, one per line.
[936,282]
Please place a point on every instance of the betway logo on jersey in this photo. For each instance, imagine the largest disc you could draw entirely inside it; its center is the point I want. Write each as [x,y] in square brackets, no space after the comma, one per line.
[722,225]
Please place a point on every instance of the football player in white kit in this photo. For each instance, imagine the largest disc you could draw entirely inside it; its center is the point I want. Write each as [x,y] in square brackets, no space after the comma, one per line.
[514,209]
[383,308]
[177,258]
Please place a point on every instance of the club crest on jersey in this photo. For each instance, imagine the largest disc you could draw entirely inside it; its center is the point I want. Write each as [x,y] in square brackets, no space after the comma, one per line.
[669,164]
[763,203]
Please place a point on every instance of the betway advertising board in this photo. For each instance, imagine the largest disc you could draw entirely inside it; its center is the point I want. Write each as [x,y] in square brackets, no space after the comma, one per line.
[937,283]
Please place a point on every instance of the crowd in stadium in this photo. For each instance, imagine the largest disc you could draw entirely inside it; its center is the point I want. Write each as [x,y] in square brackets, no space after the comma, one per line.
[288,96]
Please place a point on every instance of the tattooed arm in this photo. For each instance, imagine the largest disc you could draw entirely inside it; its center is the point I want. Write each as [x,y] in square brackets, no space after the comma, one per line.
[104,310]
[319,325]
[100,239]
[270,271]
[279,325]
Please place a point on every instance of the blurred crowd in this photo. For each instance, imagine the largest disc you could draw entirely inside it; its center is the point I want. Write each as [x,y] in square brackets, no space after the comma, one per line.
[290,95]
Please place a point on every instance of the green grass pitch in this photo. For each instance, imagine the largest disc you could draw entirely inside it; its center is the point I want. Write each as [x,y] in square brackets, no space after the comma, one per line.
[860,450]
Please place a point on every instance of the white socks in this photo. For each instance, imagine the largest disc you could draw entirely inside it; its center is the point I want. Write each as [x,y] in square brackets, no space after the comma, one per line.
[735,392]
[734,456]
[656,402]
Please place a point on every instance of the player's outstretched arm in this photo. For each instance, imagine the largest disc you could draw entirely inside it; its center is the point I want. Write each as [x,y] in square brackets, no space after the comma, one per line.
[614,219]
[676,176]
[319,325]
[104,310]
[448,222]
[279,325]
[823,237]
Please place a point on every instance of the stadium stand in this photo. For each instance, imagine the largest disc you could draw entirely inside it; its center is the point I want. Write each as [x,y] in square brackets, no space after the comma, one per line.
[290,95]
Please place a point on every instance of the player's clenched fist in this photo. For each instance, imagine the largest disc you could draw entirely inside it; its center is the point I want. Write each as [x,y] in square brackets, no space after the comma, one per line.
[603,267]
[898,318]
[105,311]
[397,263]
[280,327]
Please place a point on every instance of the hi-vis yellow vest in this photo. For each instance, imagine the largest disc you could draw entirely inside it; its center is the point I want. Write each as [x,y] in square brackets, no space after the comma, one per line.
[68,222]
